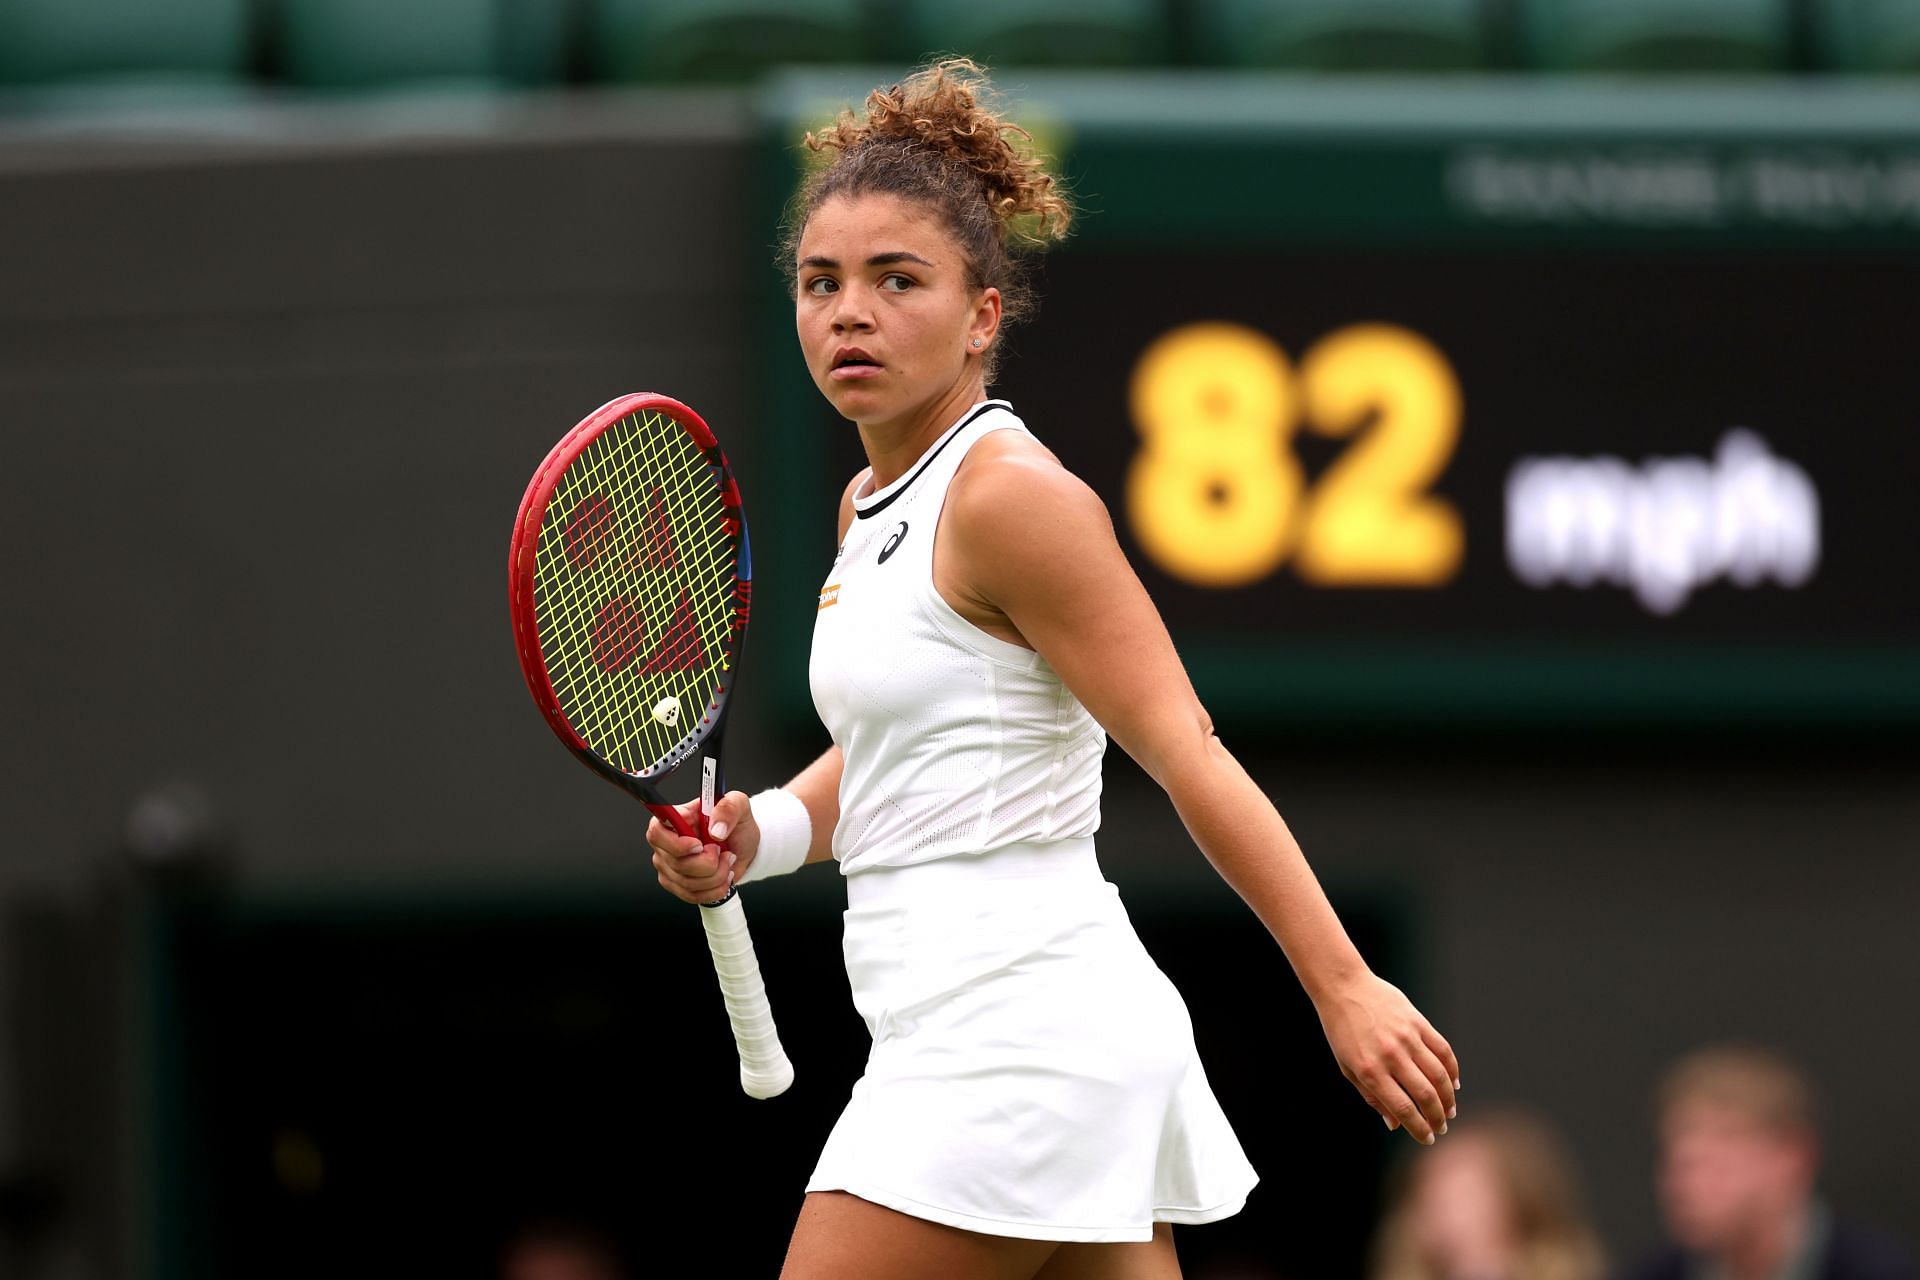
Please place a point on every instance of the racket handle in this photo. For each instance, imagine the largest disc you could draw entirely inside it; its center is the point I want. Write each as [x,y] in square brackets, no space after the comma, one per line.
[764,1068]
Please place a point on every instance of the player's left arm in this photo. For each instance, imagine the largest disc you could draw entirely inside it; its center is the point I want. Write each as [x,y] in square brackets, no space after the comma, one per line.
[1026,539]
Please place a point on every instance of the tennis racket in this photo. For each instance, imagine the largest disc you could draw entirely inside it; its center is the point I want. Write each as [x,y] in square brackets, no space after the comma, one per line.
[630,580]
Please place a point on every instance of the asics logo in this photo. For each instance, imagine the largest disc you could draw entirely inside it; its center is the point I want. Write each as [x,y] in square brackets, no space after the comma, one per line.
[893,542]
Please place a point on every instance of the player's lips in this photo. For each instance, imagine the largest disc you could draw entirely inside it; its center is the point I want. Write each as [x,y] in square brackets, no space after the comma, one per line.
[851,363]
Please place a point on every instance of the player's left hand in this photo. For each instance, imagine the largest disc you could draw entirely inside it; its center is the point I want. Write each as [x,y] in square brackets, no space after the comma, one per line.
[1389,1052]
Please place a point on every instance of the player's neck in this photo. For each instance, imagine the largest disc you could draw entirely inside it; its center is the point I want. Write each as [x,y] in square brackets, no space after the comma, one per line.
[893,447]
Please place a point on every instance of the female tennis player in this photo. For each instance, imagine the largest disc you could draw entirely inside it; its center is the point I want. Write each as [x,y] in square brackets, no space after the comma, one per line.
[1033,1104]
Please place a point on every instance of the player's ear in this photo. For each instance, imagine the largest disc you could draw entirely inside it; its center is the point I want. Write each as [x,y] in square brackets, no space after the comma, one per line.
[985,322]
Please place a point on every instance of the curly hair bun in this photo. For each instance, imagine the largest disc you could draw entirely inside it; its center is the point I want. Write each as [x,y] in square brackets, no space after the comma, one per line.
[948,109]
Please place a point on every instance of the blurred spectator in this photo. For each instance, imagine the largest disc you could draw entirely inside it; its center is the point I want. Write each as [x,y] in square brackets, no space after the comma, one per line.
[1739,1154]
[1496,1200]
[561,1250]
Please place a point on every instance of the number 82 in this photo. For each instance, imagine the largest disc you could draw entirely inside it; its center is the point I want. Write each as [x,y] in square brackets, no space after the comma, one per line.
[1216,497]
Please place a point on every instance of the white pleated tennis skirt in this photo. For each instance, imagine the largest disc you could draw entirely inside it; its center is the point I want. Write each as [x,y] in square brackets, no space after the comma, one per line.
[1033,1072]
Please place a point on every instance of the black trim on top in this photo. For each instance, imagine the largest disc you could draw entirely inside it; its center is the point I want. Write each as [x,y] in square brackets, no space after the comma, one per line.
[932,453]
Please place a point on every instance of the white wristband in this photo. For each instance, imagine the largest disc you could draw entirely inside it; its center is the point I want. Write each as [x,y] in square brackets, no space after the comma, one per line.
[786,833]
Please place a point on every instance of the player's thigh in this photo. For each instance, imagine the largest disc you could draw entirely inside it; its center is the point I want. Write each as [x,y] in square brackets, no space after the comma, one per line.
[1150,1260]
[840,1236]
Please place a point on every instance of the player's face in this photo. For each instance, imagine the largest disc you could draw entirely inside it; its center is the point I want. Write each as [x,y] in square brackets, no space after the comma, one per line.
[885,314]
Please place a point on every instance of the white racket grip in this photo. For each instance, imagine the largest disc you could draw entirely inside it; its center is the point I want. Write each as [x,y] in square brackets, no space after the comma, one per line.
[764,1068]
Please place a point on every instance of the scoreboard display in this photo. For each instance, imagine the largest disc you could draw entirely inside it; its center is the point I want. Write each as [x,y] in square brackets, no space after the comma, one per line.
[1537,435]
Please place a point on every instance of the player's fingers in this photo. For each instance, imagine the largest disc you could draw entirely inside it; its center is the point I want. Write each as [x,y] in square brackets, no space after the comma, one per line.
[1438,1077]
[1402,1105]
[1397,1110]
[703,865]
[717,888]
[728,810]
[663,839]
[666,842]
[689,815]
[1407,1112]
[687,858]
[1424,1097]
[709,884]
[1438,1046]
[1379,1109]
[1367,1096]
[696,896]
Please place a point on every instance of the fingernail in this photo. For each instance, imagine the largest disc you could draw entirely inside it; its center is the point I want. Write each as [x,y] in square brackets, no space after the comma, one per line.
[1385,1121]
[1443,1126]
[719,830]
[1452,1112]
[1456,1084]
[731,859]
[1427,1141]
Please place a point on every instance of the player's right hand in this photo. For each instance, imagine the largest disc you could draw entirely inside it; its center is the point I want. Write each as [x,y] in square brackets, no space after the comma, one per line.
[698,872]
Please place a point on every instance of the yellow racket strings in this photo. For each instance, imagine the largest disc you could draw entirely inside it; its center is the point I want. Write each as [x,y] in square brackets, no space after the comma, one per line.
[633,586]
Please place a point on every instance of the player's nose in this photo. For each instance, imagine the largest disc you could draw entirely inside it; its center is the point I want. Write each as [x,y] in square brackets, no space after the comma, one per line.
[851,315]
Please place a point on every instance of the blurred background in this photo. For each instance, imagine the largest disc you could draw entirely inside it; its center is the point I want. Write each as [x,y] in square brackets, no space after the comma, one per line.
[1556,584]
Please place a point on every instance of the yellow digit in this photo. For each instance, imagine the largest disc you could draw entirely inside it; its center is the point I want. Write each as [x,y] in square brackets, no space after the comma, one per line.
[1370,521]
[1213,494]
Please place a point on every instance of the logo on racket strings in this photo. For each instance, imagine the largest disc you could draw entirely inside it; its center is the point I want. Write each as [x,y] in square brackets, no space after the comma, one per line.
[667,711]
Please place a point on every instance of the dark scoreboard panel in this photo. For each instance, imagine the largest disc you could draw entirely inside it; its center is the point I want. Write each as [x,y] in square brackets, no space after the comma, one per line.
[1595,471]
[1477,448]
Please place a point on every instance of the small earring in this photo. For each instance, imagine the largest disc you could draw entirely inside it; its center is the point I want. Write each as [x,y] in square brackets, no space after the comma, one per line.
[976,342]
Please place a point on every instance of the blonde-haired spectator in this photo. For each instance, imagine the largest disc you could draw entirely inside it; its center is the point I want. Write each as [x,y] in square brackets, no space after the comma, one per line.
[1739,1156]
[1499,1200]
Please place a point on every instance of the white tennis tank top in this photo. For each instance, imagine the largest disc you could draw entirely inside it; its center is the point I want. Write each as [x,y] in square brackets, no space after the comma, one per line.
[955,741]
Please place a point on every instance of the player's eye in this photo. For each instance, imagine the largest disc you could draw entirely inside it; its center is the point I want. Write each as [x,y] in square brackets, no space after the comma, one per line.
[821,286]
[896,284]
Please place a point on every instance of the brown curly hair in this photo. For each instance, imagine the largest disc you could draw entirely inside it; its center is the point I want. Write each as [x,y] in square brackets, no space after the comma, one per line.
[937,138]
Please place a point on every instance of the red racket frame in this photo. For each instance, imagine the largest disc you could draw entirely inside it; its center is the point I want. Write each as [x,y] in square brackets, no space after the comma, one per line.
[522,556]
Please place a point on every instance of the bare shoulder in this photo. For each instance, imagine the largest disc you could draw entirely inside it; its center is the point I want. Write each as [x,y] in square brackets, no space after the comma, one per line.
[1011,486]
[846,502]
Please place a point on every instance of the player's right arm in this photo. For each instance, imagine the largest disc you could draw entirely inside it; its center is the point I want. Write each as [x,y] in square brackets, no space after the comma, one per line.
[700,873]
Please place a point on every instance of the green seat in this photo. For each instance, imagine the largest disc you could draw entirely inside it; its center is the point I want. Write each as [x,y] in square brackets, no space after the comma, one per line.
[1658,35]
[1867,35]
[719,39]
[359,43]
[179,41]
[1342,35]
[1056,33]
